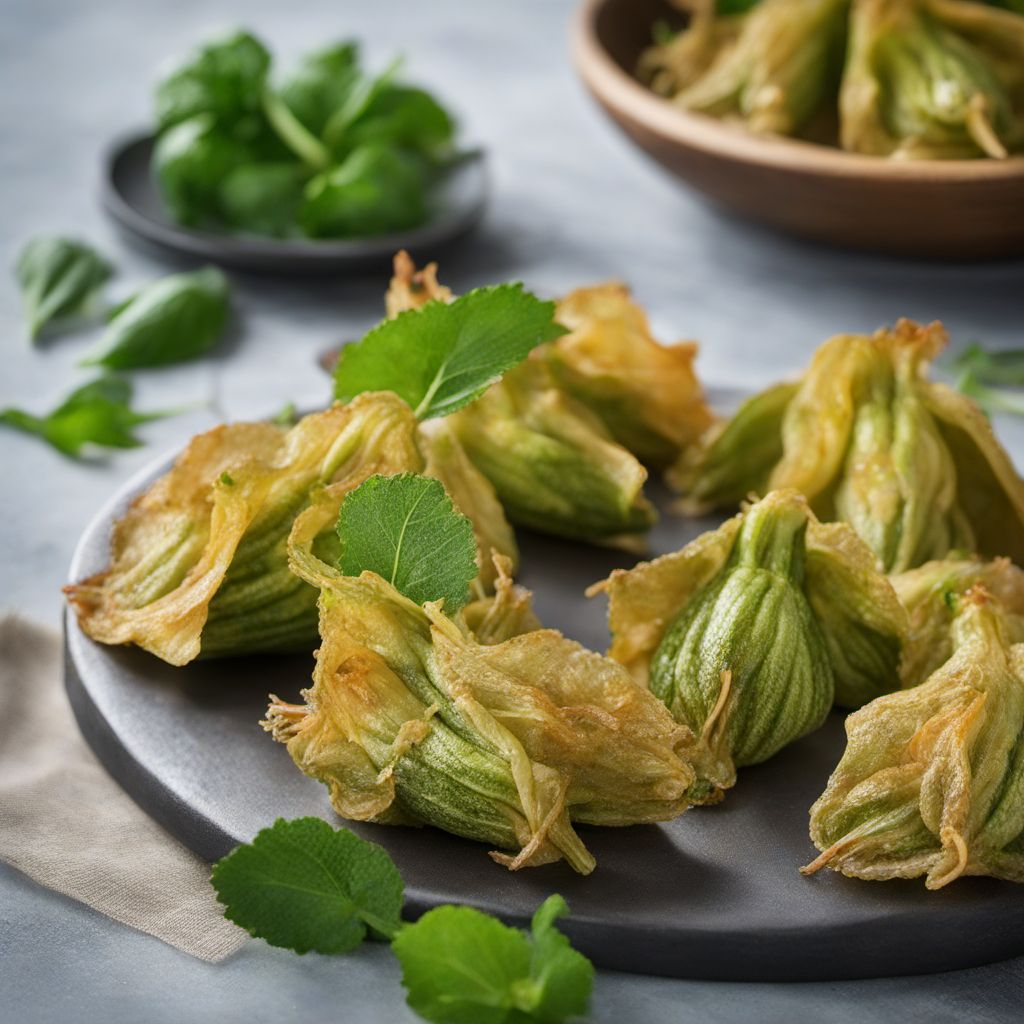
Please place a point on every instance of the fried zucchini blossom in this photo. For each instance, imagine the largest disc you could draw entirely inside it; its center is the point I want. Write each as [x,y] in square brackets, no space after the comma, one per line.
[646,394]
[558,437]
[931,595]
[932,780]
[553,463]
[771,69]
[930,79]
[752,631]
[911,464]
[199,561]
[462,722]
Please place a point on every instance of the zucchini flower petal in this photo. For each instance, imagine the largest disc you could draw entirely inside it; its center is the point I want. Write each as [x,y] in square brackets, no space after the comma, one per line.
[914,87]
[552,463]
[411,288]
[783,67]
[506,613]
[912,465]
[749,632]
[412,720]
[645,393]
[932,593]
[932,780]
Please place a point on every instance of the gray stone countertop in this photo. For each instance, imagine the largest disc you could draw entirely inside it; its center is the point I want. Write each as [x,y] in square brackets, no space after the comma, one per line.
[573,204]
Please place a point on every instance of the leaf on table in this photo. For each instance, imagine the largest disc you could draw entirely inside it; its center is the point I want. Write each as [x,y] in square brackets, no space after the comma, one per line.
[406,530]
[460,966]
[99,413]
[444,355]
[303,885]
[172,320]
[59,278]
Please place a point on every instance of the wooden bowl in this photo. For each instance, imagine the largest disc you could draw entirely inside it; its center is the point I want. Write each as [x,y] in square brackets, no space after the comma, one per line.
[939,209]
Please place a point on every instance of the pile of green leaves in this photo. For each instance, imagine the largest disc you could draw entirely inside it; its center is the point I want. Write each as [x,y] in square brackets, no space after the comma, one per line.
[327,152]
[303,885]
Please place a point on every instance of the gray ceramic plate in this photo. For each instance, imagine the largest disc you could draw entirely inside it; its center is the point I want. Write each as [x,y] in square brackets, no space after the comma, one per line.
[130,196]
[714,894]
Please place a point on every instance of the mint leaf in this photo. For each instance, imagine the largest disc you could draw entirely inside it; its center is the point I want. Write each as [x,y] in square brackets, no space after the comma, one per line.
[99,413]
[442,356]
[406,530]
[460,966]
[174,319]
[58,277]
[562,976]
[305,886]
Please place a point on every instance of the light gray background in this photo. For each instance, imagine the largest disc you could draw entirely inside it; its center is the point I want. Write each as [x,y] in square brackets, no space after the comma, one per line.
[573,204]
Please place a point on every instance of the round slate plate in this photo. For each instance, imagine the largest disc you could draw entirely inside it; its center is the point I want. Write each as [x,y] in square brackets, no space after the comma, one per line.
[130,196]
[715,894]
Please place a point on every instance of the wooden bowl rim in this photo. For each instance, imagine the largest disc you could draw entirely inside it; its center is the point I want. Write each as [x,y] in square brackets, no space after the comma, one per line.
[630,99]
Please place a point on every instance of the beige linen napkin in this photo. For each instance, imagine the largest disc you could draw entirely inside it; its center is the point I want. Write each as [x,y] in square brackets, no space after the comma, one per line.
[65,823]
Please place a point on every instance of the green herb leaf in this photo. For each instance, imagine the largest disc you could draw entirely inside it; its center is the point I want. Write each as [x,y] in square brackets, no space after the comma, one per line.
[172,320]
[442,356]
[461,966]
[320,84]
[403,116]
[406,530]
[990,399]
[293,133]
[375,190]
[224,77]
[998,366]
[59,278]
[286,416]
[191,162]
[99,413]
[305,886]
[262,198]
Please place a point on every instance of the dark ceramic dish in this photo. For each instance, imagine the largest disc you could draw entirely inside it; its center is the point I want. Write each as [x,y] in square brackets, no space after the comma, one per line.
[129,195]
[714,894]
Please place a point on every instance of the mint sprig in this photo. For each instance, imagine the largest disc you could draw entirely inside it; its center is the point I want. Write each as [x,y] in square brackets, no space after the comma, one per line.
[461,965]
[442,356]
[97,414]
[303,885]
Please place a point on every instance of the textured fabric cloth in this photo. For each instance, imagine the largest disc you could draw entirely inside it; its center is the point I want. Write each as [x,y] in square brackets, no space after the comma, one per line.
[65,823]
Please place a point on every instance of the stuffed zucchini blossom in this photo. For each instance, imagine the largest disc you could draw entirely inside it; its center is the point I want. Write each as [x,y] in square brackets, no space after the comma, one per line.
[911,464]
[932,780]
[479,722]
[751,632]
[646,394]
[199,561]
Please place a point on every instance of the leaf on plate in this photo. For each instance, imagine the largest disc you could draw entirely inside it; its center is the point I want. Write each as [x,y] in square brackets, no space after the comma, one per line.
[406,530]
[442,356]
